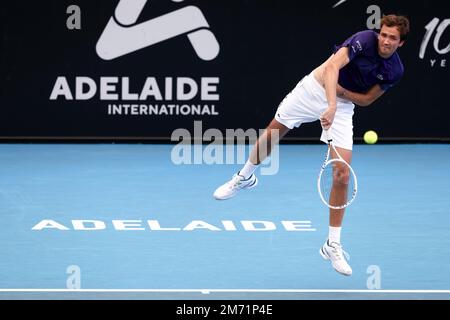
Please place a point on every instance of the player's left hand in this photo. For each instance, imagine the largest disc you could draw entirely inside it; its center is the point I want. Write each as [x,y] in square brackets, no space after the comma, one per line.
[327,117]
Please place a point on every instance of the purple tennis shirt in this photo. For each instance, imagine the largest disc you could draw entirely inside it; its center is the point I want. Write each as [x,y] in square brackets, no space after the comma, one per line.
[366,67]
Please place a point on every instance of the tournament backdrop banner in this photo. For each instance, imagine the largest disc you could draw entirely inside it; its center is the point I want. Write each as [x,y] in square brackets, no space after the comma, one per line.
[143,68]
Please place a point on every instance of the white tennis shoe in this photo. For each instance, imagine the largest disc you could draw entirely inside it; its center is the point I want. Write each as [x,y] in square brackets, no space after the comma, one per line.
[238,182]
[337,256]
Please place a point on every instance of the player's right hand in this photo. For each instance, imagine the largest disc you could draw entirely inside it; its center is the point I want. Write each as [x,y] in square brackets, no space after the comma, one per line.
[327,117]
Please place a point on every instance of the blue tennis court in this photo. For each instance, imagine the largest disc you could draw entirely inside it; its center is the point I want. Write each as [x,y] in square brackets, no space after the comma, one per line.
[94,221]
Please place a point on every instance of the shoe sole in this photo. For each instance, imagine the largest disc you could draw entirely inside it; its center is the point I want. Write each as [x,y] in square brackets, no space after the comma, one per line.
[223,198]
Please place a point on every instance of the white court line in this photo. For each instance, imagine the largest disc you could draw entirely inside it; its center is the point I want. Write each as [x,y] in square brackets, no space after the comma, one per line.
[207,291]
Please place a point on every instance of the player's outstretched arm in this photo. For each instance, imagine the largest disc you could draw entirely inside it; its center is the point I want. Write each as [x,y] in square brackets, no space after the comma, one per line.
[331,74]
[330,79]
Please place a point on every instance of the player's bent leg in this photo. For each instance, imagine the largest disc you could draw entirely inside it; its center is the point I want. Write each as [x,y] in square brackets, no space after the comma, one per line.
[332,249]
[262,148]
[271,136]
[339,189]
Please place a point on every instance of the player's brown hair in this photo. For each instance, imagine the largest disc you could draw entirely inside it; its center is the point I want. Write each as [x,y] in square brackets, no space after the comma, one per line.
[401,22]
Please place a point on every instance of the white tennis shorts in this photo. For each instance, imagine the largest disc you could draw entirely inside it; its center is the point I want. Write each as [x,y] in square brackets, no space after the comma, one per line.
[307,102]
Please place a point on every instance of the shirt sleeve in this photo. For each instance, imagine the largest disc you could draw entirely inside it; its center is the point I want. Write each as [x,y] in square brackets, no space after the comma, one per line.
[356,44]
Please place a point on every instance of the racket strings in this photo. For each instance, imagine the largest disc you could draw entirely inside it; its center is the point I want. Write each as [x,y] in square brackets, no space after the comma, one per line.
[344,185]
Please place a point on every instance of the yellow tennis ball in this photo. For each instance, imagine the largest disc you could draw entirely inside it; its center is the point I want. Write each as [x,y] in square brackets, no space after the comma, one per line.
[370,137]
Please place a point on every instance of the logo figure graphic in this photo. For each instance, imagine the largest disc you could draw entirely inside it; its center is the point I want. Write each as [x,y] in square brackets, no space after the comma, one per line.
[122,35]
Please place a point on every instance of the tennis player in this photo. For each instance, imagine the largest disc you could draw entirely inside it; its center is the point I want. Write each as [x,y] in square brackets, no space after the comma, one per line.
[359,71]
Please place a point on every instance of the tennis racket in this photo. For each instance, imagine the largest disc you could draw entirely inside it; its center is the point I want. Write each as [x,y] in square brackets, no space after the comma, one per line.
[325,181]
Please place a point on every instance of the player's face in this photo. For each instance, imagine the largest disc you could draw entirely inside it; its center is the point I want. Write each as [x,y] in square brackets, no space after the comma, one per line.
[388,41]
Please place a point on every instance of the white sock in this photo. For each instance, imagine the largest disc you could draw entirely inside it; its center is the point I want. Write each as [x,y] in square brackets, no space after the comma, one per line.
[334,234]
[248,169]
